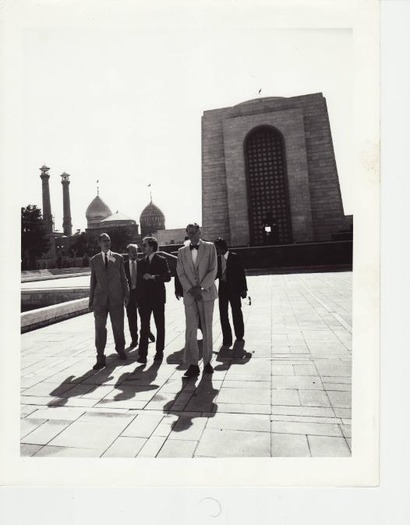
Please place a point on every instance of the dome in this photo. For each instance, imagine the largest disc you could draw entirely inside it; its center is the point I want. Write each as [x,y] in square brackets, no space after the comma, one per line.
[151,219]
[151,211]
[118,218]
[97,211]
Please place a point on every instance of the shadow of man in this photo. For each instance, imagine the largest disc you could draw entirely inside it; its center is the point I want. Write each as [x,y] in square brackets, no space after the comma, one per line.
[237,356]
[177,358]
[74,386]
[191,402]
[140,380]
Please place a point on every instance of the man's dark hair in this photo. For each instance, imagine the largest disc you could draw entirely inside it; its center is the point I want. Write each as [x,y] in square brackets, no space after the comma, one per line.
[104,236]
[221,243]
[193,225]
[151,241]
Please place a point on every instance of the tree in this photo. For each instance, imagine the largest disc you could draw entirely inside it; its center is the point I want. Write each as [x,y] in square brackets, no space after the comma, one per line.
[78,245]
[120,238]
[34,237]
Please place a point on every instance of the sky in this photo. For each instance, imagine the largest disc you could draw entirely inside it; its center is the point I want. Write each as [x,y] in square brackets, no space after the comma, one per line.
[120,100]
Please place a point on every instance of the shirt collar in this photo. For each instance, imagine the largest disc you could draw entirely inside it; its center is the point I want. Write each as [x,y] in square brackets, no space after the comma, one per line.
[151,256]
[108,254]
[226,255]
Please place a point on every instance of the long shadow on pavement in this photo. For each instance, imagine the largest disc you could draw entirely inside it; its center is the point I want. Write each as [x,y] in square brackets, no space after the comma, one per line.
[140,380]
[191,402]
[74,386]
[176,358]
[235,356]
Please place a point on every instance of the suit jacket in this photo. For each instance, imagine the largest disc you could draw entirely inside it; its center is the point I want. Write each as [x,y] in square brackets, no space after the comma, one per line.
[108,285]
[127,271]
[152,291]
[203,274]
[235,274]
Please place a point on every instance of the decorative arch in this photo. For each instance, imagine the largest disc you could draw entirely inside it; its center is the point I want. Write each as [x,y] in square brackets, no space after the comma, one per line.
[267,187]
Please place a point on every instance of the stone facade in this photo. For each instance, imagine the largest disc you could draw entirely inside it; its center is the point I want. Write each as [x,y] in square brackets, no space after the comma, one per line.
[316,207]
[170,236]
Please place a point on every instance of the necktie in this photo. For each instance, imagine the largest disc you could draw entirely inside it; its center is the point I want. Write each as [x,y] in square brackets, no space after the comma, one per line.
[133,275]
[106,260]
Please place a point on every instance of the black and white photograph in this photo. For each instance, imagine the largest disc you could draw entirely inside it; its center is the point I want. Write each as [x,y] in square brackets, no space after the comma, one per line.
[198,187]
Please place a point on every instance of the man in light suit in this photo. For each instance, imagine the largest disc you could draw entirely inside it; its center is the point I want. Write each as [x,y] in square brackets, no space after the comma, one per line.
[108,294]
[196,269]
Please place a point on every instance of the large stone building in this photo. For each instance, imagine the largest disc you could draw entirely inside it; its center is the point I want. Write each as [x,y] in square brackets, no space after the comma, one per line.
[269,173]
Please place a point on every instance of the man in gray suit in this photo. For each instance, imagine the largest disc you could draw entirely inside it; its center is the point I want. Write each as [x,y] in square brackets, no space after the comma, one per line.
[197,267]
[108,293]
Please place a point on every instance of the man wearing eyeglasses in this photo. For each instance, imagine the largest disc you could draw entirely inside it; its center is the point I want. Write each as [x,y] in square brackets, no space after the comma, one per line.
[153,273]
[197,269]
[108,294]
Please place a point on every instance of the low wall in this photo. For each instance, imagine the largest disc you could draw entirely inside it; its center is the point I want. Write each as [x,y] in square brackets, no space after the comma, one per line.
[40,297]
[293,258]
[52,314]
[172,261]
[58,273]
[318,256]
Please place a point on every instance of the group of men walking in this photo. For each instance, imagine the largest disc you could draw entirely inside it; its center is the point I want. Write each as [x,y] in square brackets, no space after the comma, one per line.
[139,284]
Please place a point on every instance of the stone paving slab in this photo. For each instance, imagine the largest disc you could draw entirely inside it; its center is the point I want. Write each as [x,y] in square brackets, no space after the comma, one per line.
[125,447]
[286,445]
[322,446]
[285,393]
[233,443]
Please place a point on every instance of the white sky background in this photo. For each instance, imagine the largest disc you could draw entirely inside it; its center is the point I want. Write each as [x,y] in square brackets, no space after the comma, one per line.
[120,99]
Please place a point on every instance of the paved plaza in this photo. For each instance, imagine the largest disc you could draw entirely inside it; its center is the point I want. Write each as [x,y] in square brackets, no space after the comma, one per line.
[286,392]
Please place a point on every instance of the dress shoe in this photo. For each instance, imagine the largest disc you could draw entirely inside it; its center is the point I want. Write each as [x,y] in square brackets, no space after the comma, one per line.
[122,355]
[159,356]
[142,359]
[193,371]
[151,338]
[208,369]
[100,363]
[134,343]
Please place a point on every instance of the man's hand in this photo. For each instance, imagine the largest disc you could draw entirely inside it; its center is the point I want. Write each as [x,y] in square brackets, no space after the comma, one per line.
[196,292]
[126,301]
[148,276]
[244,294]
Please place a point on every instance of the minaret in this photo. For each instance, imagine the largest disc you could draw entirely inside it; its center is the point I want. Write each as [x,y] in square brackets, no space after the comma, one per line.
[47,217]
[67,226]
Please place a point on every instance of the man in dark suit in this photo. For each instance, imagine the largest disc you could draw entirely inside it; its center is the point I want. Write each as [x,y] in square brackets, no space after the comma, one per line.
[232,287]
[131,271]
[153,273]
[108,294]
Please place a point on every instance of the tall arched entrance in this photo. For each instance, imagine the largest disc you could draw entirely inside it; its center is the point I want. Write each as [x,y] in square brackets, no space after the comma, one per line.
[268,198]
